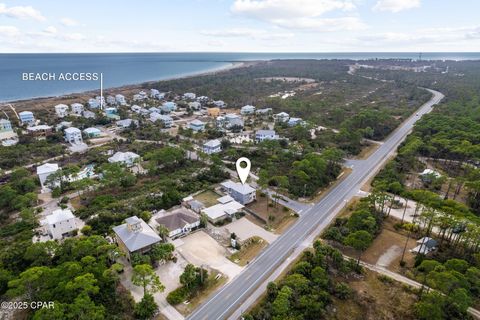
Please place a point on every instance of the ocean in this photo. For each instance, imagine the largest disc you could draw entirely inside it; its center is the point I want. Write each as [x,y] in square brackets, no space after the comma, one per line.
[130,68]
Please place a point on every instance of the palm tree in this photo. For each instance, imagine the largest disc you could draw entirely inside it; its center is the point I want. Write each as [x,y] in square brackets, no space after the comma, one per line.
[163,232]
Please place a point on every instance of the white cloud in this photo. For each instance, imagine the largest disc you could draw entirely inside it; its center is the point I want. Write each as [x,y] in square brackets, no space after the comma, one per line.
[249,33]
[68,22]
[21,12]
[396,5]
[283,9]
[300,14]
[9,31]
[73,37]
[51,30]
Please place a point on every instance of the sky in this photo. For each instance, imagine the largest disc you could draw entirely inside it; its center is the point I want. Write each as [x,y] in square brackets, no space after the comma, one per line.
[239,26]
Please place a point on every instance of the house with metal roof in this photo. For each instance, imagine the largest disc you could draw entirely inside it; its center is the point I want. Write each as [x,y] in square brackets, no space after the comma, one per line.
[222,210]
[127,158]
[262,135]
[60,223]
[197,125]
[45,170]
[242,193]
[135,236]
[212,146]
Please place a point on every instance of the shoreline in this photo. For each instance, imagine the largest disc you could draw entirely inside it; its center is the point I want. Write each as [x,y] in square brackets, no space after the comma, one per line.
[27,103]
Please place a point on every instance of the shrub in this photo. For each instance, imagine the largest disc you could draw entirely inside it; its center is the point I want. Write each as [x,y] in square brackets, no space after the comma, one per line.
[177,296]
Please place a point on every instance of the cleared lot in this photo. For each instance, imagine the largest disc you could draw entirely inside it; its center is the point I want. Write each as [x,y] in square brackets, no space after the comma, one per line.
[200,249]
[245,229]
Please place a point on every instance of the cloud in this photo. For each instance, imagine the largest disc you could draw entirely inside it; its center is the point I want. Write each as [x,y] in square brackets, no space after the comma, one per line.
[300,14]
[68,22]
[283,9]
[248,33]
[396,5]
[50,30]
[21,12]
[9,31]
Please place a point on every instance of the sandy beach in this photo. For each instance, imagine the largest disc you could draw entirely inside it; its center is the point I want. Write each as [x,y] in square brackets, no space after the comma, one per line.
[46,103]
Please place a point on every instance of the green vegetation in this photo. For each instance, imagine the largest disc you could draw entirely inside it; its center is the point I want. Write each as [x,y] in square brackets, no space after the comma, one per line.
[309,287]
[193,280]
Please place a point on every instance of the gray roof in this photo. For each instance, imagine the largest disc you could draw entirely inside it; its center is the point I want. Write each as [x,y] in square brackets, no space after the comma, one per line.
[177,220]
[136,239]
[266,132]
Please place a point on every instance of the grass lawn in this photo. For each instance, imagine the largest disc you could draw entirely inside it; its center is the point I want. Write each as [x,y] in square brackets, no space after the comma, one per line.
[207,197]
[275,216]
[248,251]
[212,286]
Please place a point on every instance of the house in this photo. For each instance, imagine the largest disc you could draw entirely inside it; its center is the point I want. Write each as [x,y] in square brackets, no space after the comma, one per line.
[77,108]
[213,112]
[112,113]
[197,125]
[222,210]
[180,222]
[126,123]
[212,146]
[292,122]
[195,105]
[61,110]
[100,100]
[189,95]
[264,111]
[219,104]
[262,135]
[196,206]
[167,121]
[168,106]
[243,193]
[233,120]
[136,108]
[92,132]
[135,236]
[120,98]
[111,100]
[154,93]
[248,109]
[42,130]
[127,158]
[425,246]
[45,170]
[26,117]
[88,114]
[73,135]
[6,130]
[93,103]
[60,223]
[202,99]
[281,117]
[154,109]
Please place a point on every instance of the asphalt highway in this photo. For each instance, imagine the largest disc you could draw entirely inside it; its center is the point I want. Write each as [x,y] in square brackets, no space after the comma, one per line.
[230,297]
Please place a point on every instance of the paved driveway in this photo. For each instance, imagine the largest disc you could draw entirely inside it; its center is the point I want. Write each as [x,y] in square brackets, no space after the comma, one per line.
[245,229]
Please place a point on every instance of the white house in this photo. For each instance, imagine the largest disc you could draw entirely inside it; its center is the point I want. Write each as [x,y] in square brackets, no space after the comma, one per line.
[222,210]
[292,122]
[61,110]
[212,146]
[93,103]
[73,135]
[282,117]
[6,130]
[195,105]
[180,222]
[168,106]
[127,158]
[126,123]
[262,135]
[242,193]
[135,236]
[77,108]
[111,100]
[167,121]
[120,99]
[263,111]
[87,114]
[248,109]
[45,170]
[26,117]
[197,125]
[219,103]
[189,95]
[60,223]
